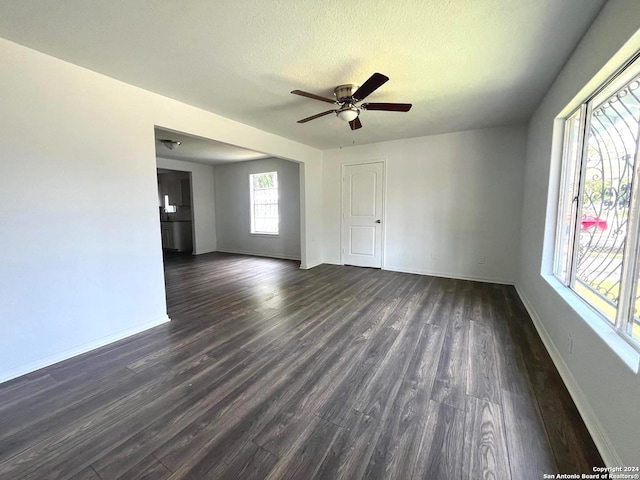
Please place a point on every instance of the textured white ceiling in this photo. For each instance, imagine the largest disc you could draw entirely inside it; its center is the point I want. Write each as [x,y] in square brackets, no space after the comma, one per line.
[462,63]
[200,150]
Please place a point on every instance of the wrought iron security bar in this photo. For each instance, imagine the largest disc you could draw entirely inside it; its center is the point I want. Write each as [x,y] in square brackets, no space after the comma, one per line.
[613,136]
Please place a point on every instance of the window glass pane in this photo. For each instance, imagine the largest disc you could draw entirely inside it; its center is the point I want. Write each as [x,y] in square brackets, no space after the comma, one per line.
[264,203]
[612,143]
[629,100]
[570,185]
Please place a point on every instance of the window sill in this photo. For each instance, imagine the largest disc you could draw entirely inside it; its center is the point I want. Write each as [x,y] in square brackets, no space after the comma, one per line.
[629,355]
[270,235]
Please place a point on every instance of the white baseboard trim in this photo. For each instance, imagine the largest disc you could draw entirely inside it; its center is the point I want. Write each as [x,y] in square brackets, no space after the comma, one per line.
[255,254]
[605,447]
[203,251]
[79,350]
[310,266]
[472,278]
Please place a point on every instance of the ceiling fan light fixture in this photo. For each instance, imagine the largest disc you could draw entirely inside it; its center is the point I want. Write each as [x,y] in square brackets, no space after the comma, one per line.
[348,114]
[170,144]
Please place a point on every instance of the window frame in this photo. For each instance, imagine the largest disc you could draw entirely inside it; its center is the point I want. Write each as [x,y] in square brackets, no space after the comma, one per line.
[574,211]
[252,204]
[630,269]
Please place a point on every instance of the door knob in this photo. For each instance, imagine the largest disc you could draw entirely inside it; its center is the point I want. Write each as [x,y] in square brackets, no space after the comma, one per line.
[377,221]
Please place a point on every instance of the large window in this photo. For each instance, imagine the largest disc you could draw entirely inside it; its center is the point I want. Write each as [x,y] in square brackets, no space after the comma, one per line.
[264,203]
[597,246]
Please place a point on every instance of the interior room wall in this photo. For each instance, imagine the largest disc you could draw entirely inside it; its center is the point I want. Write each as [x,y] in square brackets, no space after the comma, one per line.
[603,386]
[311,204]
[78,270]
[233,209]
[202,202]
[450,200]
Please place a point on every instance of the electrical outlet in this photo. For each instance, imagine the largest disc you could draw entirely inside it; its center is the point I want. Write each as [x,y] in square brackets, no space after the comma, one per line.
[434,256]
[481,260]
[570,344]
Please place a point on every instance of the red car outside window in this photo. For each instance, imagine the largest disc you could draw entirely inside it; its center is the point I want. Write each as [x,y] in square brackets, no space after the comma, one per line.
[591,223]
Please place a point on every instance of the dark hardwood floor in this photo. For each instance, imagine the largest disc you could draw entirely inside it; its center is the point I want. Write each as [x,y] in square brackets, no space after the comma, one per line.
[269,371]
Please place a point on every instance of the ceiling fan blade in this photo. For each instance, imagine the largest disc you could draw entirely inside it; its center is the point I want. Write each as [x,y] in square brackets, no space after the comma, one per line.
[374,82]
[355,124]
[313,117]
[387,107]
[312,95]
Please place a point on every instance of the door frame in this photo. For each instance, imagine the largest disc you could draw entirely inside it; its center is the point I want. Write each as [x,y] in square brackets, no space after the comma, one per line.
[383,161]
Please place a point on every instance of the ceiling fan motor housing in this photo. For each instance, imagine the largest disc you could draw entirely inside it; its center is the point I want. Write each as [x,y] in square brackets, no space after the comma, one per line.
[345,92]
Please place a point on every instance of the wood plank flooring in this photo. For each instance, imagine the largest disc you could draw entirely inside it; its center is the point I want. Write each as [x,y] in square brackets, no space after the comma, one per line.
[272,372]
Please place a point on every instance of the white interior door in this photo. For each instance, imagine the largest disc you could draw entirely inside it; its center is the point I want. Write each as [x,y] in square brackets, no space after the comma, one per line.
[362,215]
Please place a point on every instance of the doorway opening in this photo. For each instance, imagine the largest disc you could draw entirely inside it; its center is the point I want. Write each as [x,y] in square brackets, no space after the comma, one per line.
[222,205]
[176,218]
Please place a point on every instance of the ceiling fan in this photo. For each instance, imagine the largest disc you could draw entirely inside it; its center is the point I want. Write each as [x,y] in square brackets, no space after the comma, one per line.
[347,98]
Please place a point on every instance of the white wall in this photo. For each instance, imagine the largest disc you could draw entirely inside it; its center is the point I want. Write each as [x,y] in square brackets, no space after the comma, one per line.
[311,223]
[77,271]
[456,196]
[606,390]
[202,202]
[233,209]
